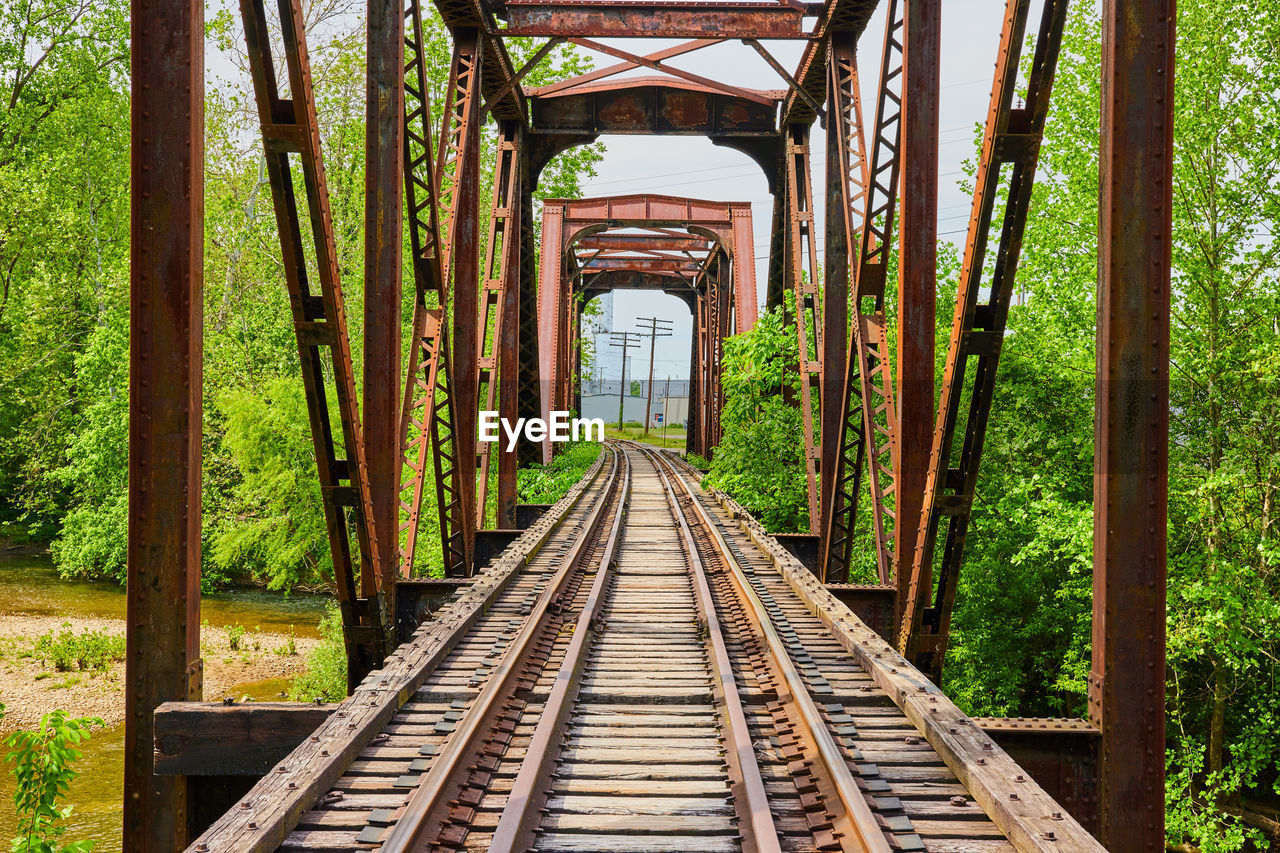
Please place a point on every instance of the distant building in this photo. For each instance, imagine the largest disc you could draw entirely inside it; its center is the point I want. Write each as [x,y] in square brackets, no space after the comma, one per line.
[600,400]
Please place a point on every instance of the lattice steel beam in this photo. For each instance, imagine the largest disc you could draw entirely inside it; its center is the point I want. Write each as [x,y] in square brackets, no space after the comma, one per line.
[868,196]
[498,324]
[427,422]
[1006,169]
[803,281]
[290,129]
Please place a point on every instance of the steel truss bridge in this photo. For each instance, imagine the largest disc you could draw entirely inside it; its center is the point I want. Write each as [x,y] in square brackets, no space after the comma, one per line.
[643,628]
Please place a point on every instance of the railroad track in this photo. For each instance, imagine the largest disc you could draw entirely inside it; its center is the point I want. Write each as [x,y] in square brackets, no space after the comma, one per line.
[648,680]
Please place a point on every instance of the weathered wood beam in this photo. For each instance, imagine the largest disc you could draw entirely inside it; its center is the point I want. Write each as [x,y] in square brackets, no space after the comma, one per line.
[220,739]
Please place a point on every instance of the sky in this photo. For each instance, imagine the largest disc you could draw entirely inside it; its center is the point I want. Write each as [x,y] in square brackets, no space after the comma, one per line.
[693,167]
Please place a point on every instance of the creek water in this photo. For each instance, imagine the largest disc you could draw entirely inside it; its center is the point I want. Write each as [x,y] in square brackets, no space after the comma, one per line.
[30,585]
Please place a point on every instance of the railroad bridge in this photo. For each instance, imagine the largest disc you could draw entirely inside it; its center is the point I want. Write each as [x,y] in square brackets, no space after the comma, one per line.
[641,666]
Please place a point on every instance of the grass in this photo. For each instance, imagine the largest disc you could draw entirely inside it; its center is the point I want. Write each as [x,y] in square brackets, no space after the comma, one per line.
[674,438]
[546,484]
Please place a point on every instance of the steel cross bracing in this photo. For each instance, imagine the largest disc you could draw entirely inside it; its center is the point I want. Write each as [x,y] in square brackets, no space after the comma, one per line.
[1006,169]
[868,426]
[289,128]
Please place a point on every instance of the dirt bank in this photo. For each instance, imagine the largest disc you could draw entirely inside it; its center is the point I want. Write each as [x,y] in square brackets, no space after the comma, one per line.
[30,685]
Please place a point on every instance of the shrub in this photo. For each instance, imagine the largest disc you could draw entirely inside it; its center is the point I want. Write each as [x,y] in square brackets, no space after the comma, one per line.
[42,762]
[235,633]
[760,460]
[92,650]
[326,673]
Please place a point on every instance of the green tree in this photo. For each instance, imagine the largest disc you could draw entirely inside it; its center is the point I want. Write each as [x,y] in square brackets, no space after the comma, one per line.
[1022,623]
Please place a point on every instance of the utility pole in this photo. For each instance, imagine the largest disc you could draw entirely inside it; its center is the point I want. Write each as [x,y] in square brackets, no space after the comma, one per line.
[629,340]
[666,395]
[657,329]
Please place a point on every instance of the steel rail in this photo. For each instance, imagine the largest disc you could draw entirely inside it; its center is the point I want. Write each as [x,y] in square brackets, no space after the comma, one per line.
[307,773]
[514,827]
[404,835]
[861,820]
[762,833]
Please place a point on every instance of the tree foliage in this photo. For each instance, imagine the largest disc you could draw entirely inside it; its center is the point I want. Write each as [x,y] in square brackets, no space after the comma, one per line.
[64,256]
[760,460]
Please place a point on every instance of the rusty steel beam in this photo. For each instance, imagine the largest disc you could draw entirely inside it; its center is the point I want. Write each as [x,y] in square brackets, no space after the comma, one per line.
[776,277]
[657,105]
[552,292]
[1127,678]
[166,283]
[838,16]
[693,425]
[917,269]
[461,131]
[427,422]
[384,116]
[654,265]
[1011,144]
[746,301]
[764,99]
[499,80]
[532,63]
[648,210]
[793,87]
[633,280]
[845,211]
[528,395]
[867,427]
[803,283]
[290,129]
[656,19]
[646,243]
[497,330]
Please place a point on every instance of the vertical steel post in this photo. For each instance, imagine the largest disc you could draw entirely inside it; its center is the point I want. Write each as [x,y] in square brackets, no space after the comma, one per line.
[528,405]
[384,155]
[550,288]
[509,342]
[1126,684]
[917,269]
[693,426]
[165,378]
[464,237]
[745,299]
[835,298]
